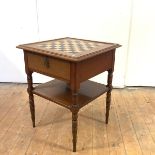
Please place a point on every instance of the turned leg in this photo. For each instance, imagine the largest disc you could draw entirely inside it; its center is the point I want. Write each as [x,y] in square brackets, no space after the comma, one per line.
[108,97]
[74,111]
[74,129]
[31,98]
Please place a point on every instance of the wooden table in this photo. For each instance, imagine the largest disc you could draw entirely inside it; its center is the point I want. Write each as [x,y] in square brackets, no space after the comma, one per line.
[71,62]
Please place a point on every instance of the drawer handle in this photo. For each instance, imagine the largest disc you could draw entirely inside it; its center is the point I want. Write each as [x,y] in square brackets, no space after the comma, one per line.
[46,62]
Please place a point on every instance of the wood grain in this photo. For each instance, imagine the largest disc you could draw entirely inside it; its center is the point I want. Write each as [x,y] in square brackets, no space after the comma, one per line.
[54,67]
[34,48]
[130,131]
[74,61]
[58,92]
[96,65]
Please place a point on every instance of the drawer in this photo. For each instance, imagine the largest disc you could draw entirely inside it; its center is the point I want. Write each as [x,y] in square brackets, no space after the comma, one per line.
[53,67]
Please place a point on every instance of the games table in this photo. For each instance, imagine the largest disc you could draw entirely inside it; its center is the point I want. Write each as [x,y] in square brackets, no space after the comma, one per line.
[71,62]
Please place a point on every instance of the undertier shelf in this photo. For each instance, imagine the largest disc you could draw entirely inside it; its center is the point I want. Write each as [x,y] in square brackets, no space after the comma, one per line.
[58,92]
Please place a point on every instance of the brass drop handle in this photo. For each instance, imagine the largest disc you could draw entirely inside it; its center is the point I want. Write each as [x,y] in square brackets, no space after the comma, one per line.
[46,62]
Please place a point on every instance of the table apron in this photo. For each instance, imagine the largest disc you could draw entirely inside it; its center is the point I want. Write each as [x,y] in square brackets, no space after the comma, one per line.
[96,65]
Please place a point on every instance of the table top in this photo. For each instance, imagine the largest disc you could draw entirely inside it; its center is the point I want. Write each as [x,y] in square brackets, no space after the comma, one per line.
[72,49]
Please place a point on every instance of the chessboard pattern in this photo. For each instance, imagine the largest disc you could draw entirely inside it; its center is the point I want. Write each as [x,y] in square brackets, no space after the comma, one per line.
[69,45]
[69,48]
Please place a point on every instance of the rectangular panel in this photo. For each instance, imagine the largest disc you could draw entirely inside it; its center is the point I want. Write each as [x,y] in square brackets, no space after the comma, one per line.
[49,66]
[96,65]
[58,92]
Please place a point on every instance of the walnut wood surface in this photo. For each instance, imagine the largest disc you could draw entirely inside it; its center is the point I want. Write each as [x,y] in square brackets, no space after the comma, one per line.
[95,65]
[29,90]
[81,55]
[73,61]
[31,98]
[49,66]
[57,91]
[74,128]
[108,97]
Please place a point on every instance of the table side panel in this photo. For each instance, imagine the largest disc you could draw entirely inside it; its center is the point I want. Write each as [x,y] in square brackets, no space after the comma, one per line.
[56,68]
[96,65]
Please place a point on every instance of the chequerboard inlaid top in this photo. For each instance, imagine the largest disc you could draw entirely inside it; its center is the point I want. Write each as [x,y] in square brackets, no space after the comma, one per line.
[68,47]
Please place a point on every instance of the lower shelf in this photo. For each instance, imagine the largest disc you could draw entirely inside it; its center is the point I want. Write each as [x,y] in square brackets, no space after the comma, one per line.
[57,91]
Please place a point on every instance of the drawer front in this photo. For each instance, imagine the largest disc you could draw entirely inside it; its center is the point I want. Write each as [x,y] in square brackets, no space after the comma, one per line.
[49,66]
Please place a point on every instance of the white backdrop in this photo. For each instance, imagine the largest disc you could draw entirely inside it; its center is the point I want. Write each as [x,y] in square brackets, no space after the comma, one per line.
[141,55]
[122,21]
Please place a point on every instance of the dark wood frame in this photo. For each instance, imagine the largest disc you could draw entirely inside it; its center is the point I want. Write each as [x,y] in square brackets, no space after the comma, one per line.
[81,69]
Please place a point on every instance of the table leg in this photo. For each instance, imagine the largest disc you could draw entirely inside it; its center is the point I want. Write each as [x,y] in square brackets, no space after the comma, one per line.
[74,128]
[108,97]
[31,98]
[74,111]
